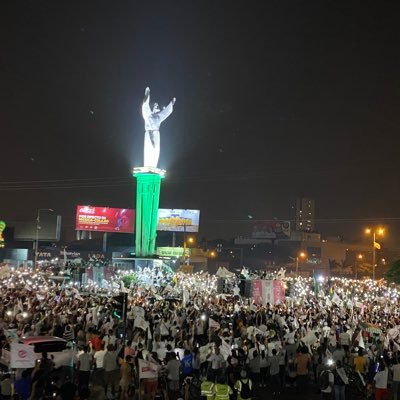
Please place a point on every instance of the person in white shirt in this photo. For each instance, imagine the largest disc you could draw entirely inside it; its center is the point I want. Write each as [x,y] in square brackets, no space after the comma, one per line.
[344,339]
[396,380]
[98,360]
[109,338]
[381,381]
[217,363]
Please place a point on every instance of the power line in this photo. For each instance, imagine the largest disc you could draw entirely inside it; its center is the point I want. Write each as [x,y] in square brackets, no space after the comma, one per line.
[71,183]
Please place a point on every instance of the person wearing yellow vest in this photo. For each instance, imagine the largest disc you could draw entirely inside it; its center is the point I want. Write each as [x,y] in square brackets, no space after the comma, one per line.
[244,386]
[207,389]
[221,389]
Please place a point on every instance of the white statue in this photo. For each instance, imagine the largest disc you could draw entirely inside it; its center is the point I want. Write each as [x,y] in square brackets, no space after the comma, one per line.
[152,122]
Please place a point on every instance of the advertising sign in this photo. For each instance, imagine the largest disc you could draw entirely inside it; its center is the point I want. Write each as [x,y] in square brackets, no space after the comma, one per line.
[105,219]
[271,230]
[49,229]
[178,220]
[172,251]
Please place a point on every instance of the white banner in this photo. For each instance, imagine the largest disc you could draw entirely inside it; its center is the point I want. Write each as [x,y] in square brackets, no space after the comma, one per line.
[147,369]
[225,350]
[139,322]
[22,356]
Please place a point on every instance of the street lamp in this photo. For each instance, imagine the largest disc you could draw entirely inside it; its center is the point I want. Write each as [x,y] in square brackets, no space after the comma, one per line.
[301,255]
[375,245]
[37,232]
[189,240]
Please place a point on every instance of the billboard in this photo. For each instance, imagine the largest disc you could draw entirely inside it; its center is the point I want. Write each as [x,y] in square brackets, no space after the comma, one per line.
[271,230]
[267,291]
[105,219]
[48,229]
[178,220]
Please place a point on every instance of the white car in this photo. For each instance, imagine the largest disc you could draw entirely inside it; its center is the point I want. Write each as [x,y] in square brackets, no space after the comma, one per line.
[52,345]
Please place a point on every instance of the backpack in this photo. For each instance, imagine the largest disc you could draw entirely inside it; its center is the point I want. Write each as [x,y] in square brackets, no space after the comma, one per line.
[324,380]
[245,393]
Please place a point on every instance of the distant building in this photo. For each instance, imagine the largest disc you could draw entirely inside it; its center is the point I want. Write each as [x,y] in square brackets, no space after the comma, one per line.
[305,215]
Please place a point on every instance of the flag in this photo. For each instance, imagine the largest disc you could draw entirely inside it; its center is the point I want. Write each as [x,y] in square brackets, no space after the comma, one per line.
[309,339]
[139,322]
[377,245]
[22,356]
[225,349]
[147,369]
[360,340]
[214,324]
[336,299]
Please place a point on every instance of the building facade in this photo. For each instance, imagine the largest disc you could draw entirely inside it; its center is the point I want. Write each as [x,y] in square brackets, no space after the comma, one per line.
[305,215]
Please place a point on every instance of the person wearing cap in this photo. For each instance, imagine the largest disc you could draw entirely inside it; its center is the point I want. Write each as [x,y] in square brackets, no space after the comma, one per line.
[243,385]
[221,390]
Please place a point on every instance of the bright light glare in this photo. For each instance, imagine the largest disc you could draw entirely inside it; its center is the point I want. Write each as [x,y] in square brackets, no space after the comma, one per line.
[368,231]
[320,278]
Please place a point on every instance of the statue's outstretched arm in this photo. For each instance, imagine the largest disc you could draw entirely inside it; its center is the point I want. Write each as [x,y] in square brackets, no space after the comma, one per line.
[167,111]
[146,110]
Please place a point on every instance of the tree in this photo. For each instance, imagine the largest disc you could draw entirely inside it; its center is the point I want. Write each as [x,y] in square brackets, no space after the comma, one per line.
[393,273]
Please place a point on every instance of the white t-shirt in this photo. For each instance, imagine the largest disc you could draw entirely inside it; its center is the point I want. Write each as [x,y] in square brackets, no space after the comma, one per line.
[381,379]
[216,361]
[396,372]
[344,338]
[99,358]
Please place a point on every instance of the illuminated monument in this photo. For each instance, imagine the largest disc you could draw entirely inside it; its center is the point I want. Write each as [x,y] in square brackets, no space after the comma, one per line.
[149,178]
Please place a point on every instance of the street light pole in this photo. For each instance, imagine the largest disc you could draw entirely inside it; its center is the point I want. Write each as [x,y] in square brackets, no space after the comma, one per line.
[373,255]
[357,261]
[37,233]
[299,255]
[375,232]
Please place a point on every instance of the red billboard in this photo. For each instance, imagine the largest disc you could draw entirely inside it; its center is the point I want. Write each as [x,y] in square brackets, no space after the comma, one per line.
[105,219]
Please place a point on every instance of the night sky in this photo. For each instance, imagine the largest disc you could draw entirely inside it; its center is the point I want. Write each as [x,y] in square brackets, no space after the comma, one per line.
[275,100]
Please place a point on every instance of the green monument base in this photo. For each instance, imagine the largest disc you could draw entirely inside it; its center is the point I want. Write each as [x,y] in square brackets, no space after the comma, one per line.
[148,183]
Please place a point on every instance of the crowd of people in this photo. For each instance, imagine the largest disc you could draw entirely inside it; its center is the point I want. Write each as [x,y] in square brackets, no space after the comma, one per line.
[338,336]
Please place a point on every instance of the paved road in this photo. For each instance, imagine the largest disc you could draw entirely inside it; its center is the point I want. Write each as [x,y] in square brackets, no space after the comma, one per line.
[97,393]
